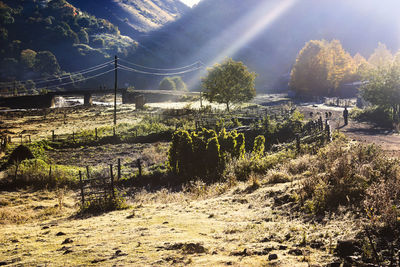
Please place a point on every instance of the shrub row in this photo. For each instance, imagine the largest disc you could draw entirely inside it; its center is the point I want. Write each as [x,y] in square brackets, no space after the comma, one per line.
[204,154]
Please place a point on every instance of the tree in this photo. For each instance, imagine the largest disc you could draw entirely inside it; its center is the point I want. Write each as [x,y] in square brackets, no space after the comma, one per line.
[362,66]
[381,56]
[28,58]
[179,83]
[229,82]
[167,84]
[46,62]
[341,66]
[382,88]
[83,36]
[309,74]
[321,67]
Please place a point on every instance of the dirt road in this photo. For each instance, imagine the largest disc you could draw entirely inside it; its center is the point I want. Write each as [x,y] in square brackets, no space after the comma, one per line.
[362,132]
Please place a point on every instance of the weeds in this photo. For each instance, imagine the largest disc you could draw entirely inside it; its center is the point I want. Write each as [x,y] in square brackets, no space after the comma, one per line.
[242,168]
[104,204]
[343,174]
[39,174]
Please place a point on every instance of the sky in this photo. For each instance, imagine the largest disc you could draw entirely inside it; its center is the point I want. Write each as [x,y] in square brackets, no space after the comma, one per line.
[190,2]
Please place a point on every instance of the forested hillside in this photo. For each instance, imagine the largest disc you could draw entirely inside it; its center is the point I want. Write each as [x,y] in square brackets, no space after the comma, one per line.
[48,39]
[134,17]
[218,28]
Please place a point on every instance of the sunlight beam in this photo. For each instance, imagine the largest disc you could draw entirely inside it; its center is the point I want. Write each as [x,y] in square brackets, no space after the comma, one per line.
[244,31]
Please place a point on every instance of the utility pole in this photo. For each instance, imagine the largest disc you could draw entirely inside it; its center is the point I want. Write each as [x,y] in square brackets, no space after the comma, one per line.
[115,91]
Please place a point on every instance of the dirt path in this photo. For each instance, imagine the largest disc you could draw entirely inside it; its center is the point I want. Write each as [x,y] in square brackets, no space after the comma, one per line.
[362,132]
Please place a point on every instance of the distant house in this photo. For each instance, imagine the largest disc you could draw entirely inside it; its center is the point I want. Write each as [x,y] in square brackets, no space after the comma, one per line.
[349,90]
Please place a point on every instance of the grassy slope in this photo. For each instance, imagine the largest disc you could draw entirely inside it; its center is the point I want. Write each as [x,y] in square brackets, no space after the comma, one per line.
[236,227]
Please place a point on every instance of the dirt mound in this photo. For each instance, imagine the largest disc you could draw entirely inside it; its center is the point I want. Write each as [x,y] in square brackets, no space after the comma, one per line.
[187,248]
[20,153]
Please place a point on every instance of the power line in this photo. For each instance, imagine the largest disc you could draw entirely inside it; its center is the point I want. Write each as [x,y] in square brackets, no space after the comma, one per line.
[122,67]
[77,81]
[83,71]
[172,69]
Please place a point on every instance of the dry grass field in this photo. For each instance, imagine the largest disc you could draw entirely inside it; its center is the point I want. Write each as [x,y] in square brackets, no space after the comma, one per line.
[263,221]
[239,227]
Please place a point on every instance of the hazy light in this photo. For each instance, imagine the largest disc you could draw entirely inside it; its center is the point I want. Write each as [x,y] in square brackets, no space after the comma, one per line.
[190,2]
[244,31]
[264,16]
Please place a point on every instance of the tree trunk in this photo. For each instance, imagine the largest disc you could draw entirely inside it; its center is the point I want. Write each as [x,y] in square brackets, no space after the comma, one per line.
[227,106]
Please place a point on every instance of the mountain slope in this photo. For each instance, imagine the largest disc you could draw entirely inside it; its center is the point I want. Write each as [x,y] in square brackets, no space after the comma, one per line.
[41,39]
[217,28]
[134,17]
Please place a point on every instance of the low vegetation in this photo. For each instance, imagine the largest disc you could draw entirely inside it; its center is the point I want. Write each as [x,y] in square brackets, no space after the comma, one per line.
[253,182]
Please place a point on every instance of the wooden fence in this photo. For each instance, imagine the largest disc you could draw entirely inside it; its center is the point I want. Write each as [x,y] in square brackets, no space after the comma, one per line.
[97,188]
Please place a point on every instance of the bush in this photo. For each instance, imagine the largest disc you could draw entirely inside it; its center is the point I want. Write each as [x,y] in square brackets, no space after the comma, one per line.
[377,115]
[39,174]
[244,167]
[100,205]
[203,154]
[343,174]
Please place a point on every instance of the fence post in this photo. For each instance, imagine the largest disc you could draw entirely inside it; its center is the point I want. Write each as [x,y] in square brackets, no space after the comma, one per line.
[119,169]
[95,131]
[328,131]
[50,172]
[298,143]
[113,131]
[65,117]
[52,135]
[139,164]
[87,172]
[29,136]
[320,124]
[81,183]
[112,181]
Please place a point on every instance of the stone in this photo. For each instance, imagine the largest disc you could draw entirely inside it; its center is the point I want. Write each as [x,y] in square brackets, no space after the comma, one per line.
[272,257]
[67,241]
[346,248]
[296,252]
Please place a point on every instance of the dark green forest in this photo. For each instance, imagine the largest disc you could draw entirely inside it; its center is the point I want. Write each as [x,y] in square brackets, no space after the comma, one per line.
[40,40]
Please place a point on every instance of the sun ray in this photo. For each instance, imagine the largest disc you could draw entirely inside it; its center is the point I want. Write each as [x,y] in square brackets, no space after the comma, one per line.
[244,31]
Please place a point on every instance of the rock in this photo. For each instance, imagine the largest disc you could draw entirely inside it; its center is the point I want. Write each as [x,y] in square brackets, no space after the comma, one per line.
[272,257]
[296,252]
[240,253]
[316,244]
[282,247]
[353,259]
[97,261]
[187,248]
[67,251]
[333,264]
[67,241]
[45,227]
[60,234]
[346,248]
[64,248]
[265,239]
